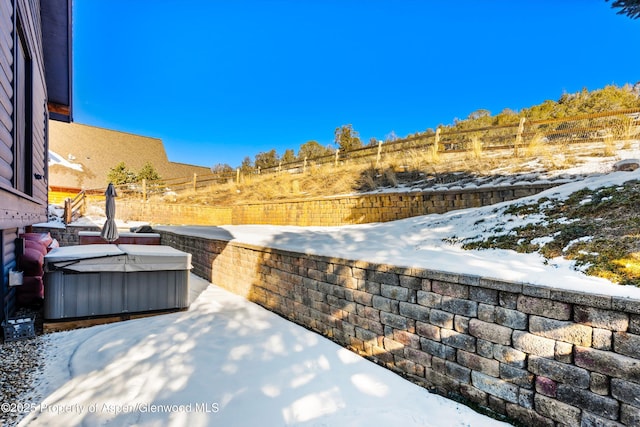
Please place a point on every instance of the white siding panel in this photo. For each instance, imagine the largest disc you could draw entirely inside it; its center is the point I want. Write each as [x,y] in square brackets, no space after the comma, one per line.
[6,10]
[6,174]
[5,136]
[6,38]
[39,158]
[5,63]
[6,155]
[6,77]
[5,84]
[6,92]
[5,120]
[9,247]
[6,71]
[5,98]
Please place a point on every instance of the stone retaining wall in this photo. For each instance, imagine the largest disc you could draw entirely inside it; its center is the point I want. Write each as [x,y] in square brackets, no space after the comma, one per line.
[68,236]
[168,213]
[540,356]
[326,211]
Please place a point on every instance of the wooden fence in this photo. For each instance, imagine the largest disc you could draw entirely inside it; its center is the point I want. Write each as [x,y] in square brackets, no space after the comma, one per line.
[607,126]
[75,208]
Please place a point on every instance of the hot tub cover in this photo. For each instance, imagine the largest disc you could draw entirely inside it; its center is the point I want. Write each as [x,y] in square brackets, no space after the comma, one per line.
[155,257]
[117,258]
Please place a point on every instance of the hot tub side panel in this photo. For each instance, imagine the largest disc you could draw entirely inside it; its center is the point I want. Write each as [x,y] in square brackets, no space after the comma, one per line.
[69,295]
[86,294]
[156,290]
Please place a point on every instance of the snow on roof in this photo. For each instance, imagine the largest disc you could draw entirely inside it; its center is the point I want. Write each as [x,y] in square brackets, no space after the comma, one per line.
[56,159]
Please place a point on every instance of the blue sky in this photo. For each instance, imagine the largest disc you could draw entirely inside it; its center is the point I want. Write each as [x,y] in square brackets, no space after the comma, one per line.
[220,80]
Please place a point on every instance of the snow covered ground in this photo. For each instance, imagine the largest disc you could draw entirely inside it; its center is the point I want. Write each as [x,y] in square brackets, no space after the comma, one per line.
[224,362]
[433,242]
[228,362]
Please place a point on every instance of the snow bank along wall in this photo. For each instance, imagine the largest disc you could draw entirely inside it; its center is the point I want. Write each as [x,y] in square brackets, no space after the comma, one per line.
[541,356]
[344,210]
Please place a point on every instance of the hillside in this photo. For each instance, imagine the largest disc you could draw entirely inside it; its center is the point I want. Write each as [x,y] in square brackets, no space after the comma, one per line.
[594,229]
[415,171]
[587,226]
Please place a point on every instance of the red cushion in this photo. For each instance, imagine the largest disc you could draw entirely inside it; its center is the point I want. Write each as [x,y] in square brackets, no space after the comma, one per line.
[31,262]
[33,244]
[31,291]
[31,285]
[44,238]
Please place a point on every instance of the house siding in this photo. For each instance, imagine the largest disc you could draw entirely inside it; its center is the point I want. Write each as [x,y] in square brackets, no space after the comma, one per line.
[21,205]
[21,209]
[8,258]
[6,92]
[30,16]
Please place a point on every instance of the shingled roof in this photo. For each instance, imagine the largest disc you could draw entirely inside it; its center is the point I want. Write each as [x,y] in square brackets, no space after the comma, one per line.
[98,150]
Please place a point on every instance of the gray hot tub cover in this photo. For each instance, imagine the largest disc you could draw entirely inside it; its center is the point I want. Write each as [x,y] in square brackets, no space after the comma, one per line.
[120,258]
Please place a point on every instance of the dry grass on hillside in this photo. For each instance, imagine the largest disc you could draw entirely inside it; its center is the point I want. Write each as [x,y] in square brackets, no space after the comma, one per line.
[351,177]
[597,229]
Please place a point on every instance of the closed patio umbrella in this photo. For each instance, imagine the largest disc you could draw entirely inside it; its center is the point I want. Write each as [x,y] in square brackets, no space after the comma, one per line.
[110,230]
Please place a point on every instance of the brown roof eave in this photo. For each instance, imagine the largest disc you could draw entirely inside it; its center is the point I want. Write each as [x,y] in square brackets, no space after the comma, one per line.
[55,18]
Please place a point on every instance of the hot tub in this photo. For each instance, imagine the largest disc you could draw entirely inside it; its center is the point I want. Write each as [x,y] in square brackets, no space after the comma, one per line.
[107,279]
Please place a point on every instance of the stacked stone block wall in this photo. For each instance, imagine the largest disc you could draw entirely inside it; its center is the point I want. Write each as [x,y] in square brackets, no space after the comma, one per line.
[536,355]
[169,213]
[326,211]
[67,236]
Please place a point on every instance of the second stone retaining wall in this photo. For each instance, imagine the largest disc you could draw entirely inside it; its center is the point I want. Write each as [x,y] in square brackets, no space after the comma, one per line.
[326,211]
